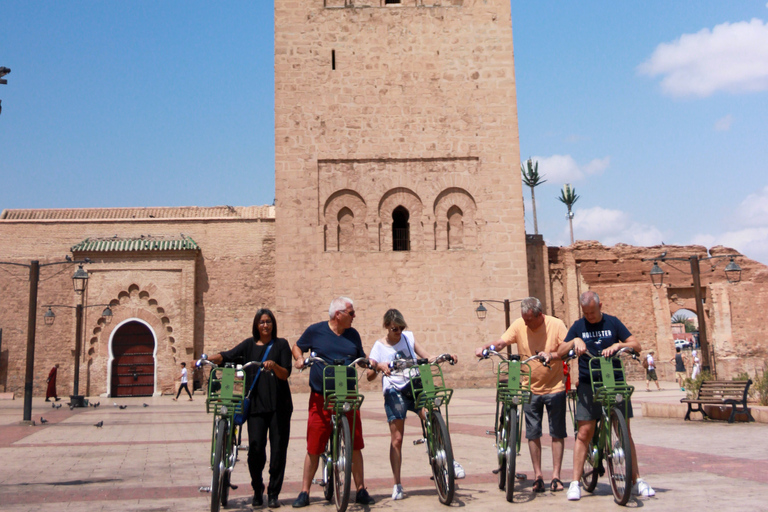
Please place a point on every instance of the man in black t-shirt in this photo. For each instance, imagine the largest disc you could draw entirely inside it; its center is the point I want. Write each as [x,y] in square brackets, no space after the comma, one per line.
[598,334]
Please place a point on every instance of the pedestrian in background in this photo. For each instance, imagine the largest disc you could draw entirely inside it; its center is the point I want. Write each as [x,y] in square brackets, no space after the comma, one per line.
[184,382]
[50,392]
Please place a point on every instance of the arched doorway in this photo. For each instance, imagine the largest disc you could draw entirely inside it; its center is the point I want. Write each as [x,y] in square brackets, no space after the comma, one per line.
[133,360]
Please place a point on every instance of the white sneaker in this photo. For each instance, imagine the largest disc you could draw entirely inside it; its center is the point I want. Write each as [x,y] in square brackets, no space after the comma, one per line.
[641,488]
[574,491]
[458,471]
[397,492]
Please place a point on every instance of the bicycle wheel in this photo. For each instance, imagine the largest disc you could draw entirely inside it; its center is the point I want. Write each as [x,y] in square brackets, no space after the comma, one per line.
[591,469]
[442,459]
[225,487]
[512,428]
[619,458]
[325,460]
[218,465]
[342,464]
[502,438]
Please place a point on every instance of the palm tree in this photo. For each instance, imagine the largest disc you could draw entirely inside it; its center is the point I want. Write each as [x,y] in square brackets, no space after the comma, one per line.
[532,179]
[568,197]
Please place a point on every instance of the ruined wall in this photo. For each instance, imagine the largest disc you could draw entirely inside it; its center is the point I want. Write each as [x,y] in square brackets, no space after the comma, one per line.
[386,106]
[734,323]
[193,301]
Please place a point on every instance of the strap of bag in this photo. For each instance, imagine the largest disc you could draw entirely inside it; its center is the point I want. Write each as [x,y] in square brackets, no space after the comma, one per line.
[266,353]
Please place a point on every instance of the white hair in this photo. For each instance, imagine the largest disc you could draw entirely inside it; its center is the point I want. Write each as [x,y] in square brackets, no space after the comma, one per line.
[339,304]
[531,304]
[588,297]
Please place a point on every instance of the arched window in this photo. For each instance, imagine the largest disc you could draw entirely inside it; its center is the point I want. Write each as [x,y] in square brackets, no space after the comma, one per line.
[455,227]
[346,230]
[401,237]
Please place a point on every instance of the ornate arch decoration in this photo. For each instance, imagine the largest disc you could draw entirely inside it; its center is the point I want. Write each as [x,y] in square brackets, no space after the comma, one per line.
[342,202]
[409,200]
[453,200]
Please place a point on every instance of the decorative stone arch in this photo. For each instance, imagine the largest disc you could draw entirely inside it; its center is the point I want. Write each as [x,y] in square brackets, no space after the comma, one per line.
[409,200]
[462,209]
[349,206]
[146,305]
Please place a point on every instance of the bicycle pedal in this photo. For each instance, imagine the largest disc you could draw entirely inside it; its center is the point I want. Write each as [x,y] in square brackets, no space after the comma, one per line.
[491,432]
[318,481]
[204,489]
[420,441]
[495,471]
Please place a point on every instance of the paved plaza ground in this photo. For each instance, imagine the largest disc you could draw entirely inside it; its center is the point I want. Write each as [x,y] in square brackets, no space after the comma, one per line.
[155,458]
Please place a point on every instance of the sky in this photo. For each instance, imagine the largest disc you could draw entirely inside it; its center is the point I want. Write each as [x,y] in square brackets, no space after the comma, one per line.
[655,111]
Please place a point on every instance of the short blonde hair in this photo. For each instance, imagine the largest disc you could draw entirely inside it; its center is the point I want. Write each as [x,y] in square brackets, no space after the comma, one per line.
[394,318]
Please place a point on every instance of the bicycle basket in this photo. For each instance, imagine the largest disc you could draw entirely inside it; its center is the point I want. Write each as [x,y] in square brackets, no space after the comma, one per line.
[609,386]
[340,388]
[226,388]
[512,383]
[432,386]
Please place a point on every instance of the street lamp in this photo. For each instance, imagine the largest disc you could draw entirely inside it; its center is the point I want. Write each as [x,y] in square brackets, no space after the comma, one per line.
[80,280]
[34,280]
[732,273]
[482,311]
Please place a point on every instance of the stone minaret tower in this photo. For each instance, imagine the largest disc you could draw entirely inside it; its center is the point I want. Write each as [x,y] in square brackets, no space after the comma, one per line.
[397,166]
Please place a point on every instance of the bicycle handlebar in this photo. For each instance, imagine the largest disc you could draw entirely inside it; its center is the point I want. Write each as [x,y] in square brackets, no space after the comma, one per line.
[403,364]
[204,361]
[312,359]
[628,350]
[491,351]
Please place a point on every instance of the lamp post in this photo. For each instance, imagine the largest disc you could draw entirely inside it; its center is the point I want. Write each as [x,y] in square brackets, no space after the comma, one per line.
[481,312]
[732,273]
[34,280]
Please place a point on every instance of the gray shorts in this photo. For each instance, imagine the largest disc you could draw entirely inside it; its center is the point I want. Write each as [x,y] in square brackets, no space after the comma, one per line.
[650,374]
[534,412]
[587,409]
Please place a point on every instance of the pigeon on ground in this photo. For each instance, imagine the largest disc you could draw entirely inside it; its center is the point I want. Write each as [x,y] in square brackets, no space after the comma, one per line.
[97,404]
[99,424]
[71,407]
[146,405]
[122,406]
[57,406]
[53,405]
[33,423]
[43,420]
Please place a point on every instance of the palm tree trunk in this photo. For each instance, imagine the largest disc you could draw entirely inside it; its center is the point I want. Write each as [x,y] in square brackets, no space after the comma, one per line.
[535,222]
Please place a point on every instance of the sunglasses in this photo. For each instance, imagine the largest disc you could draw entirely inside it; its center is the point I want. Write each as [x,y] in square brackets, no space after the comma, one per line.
[396,329]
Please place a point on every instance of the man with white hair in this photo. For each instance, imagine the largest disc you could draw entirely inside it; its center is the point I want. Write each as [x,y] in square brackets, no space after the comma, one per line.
[538,334]
[333,340]
[600,335]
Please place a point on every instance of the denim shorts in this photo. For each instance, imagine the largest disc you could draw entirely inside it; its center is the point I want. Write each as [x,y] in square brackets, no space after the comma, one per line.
[396,405]
[534,413]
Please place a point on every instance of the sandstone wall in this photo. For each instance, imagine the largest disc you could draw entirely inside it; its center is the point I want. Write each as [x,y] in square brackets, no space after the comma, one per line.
[192,301]
[384,106]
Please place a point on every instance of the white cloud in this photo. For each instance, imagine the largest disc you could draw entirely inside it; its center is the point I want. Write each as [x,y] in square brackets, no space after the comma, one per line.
[751,240]
[560,169]
[724,123]
[610,227]
[732,57]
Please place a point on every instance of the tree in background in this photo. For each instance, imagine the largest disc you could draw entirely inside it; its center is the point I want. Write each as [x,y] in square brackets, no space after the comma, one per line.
[532,179]
[568,197]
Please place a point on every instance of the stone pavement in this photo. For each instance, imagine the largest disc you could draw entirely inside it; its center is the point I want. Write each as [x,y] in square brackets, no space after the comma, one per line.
[155,458]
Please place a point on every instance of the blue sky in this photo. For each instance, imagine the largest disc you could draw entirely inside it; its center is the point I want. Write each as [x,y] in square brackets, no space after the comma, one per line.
[655,111]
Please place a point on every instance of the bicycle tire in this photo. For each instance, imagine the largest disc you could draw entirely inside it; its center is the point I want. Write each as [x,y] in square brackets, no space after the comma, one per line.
[225,487]
[502,438]
[441,459]
[619,458]
[218,465]
[342,464]
[512,423]
[325,460]
[591,470]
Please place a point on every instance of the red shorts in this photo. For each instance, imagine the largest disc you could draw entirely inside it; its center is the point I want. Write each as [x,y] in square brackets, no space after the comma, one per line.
[319,426]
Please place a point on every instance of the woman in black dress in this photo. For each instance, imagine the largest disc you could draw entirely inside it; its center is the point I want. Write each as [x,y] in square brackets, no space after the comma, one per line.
[271,405]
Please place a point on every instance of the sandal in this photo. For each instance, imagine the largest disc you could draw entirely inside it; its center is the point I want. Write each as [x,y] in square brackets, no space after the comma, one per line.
[555,484]
[538,485]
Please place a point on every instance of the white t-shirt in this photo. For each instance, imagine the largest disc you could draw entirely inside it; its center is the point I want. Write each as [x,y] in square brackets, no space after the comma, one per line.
[183,375]
[383,352]
[651,364]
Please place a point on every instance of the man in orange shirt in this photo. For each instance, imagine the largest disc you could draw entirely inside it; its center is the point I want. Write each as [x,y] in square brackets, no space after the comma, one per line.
[539,334]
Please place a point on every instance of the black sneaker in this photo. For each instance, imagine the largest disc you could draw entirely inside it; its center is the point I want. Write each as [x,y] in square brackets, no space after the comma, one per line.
[258,499]
[302,500]
[364,498]
[272,502]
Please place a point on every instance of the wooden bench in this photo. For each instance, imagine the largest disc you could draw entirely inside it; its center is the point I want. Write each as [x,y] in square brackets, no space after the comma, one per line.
[721,392]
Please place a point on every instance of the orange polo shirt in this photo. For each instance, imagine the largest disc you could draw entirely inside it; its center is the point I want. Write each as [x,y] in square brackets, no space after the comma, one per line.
[544,339]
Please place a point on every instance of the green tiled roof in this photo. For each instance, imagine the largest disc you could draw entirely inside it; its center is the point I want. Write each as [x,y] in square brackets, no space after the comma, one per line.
[143,243]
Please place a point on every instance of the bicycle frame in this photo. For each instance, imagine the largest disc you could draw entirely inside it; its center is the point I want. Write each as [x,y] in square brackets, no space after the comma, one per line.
[511,393]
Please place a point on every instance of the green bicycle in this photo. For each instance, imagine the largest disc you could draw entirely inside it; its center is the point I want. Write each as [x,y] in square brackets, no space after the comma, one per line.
[341,397]
[430,395]
[226,390]
[511,393]
[610,442]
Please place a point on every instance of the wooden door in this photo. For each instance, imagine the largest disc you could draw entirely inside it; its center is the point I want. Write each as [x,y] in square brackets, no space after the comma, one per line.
[133,366]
